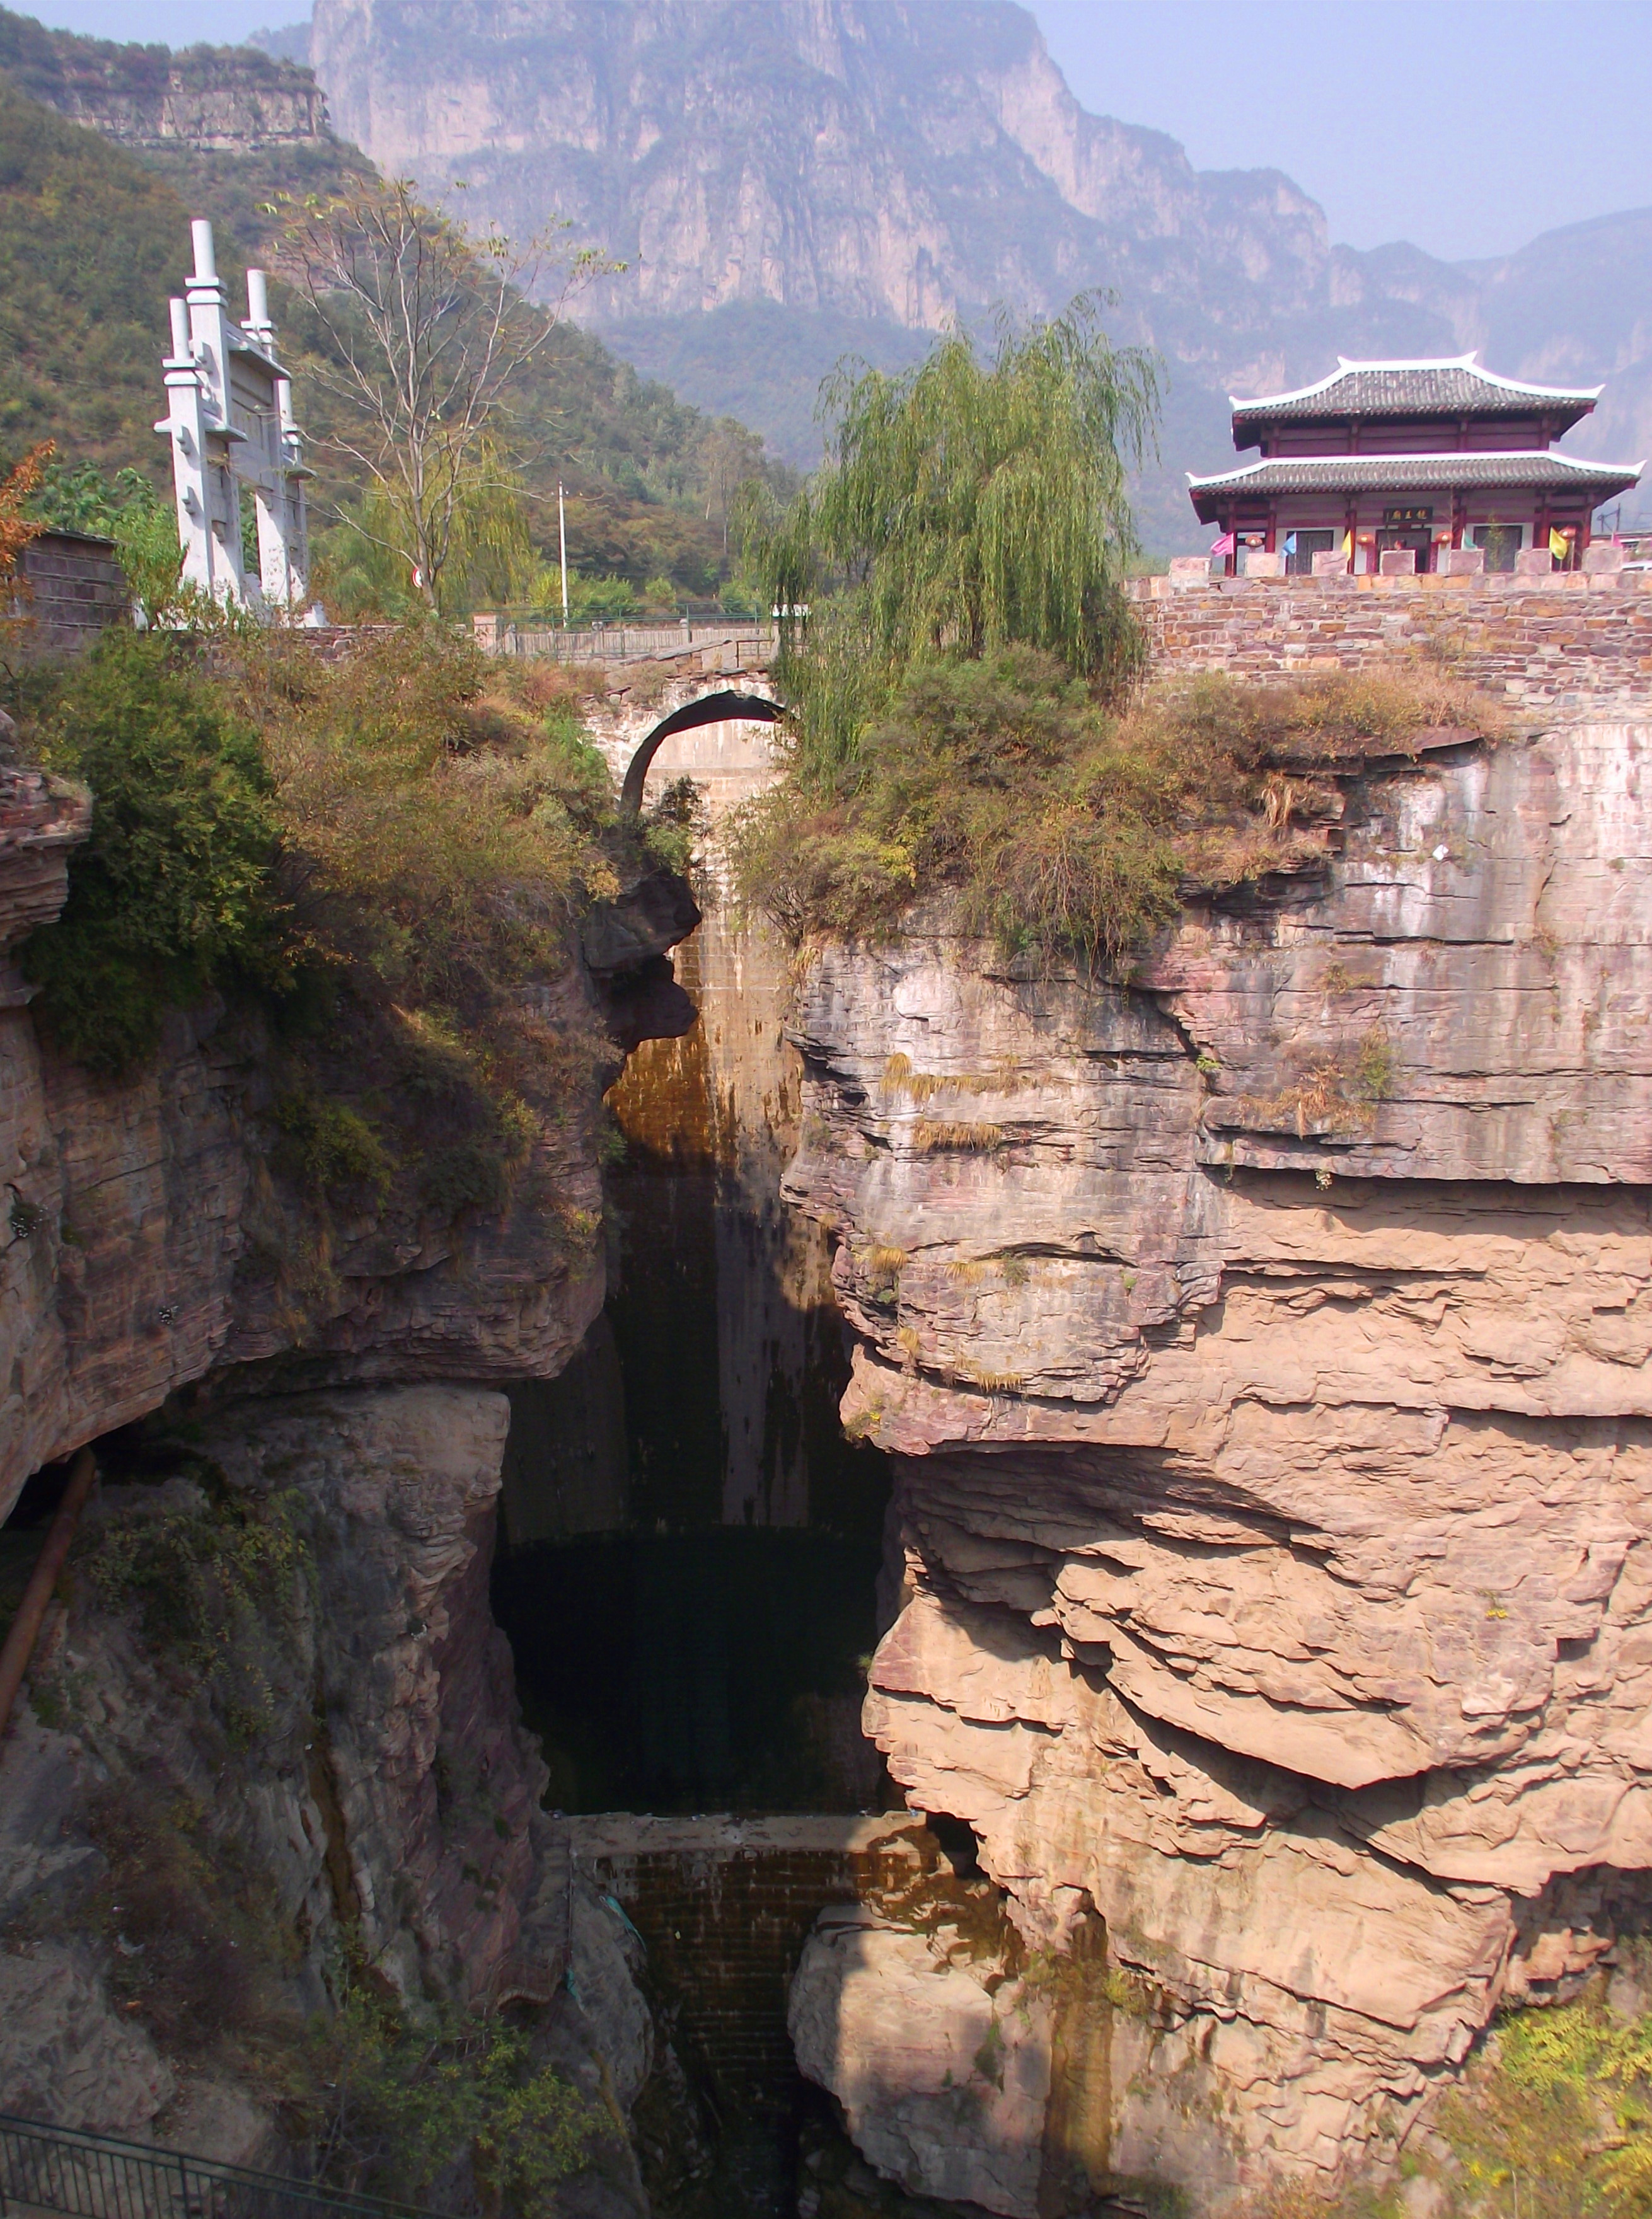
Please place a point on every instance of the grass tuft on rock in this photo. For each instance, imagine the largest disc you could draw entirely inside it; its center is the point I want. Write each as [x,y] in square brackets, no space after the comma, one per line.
[1062,824]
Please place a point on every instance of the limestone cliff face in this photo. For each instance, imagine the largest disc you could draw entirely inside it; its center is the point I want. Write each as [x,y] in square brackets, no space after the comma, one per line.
[1264,1351]
[224,99]
[897,161]
[378,1803]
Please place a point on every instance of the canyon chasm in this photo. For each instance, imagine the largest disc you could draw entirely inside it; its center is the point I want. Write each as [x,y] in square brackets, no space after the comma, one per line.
[1257,1350]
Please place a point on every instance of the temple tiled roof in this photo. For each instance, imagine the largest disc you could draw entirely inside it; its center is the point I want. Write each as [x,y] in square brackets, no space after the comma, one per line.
[1419,473]
[1454,385]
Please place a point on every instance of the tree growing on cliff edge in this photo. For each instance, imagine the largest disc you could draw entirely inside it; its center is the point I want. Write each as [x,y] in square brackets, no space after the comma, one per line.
[421,330]
[966,506]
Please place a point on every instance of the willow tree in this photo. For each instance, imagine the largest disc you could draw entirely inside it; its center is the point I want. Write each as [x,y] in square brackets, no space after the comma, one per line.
[966,505]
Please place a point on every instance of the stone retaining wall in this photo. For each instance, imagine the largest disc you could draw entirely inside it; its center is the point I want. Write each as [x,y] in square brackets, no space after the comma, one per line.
[1564,646]
[726,1906]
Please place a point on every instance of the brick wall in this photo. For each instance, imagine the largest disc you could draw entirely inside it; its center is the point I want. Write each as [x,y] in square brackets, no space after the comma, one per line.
[725,1906]
[72,588]
[1570,645]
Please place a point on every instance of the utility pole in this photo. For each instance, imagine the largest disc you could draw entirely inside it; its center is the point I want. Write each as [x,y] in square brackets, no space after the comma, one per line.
[562,533]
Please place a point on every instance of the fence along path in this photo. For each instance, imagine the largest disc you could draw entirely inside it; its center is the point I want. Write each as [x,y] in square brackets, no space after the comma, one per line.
[59,2169]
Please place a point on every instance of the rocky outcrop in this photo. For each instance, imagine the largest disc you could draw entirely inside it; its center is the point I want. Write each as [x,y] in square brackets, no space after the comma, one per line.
[151,1242]
[274,1745]
[1263,1349]
[349,1765]
[222,100]
[937,2053]
[607,122]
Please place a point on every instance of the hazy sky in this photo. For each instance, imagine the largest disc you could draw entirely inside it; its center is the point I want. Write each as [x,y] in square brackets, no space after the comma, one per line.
[1466,125]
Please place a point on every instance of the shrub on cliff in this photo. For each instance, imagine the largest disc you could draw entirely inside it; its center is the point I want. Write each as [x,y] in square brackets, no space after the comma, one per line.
[393,849]
[1559,2113]
[1060,823]
[407,2104]
[956,656]
[175,890]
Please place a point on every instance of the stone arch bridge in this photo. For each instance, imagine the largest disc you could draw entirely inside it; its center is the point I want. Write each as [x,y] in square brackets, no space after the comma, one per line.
[690,698]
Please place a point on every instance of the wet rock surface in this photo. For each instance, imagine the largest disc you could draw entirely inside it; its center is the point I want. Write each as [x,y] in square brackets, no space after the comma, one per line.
[1259,1350]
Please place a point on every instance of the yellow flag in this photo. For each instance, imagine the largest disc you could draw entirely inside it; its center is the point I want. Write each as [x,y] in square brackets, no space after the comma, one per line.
[1348,541]
[1559,545]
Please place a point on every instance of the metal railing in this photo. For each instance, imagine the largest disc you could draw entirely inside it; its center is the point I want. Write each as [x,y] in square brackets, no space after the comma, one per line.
[96,2177]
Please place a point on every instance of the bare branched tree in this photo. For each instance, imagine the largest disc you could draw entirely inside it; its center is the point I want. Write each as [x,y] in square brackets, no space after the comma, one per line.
[424,328]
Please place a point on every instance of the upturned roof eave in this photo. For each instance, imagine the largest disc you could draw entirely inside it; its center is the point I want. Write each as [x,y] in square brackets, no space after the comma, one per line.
[1366,472]
[1581,397]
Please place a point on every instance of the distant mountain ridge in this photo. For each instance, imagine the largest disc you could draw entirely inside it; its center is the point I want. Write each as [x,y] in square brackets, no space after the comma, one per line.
[214,98]
[791,180]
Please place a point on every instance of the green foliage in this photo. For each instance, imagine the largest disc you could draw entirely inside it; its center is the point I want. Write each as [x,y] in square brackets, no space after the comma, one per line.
[1061,825]
[142,523]
[469,1175]
[205,1578]
[1563,2107]
[675,825]
[411,2098]
[967,507]
[174,891]
[387,849]
[90,246]
[598,600]
[335,1145]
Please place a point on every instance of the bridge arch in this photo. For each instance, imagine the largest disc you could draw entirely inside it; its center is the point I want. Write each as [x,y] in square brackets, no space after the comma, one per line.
[724,708]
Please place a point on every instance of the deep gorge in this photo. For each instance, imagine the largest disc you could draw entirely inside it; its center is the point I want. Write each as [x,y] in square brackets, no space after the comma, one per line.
[1236,1537]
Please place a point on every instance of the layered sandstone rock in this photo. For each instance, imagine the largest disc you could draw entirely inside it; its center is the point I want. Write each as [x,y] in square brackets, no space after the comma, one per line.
[939,2059]
[1264,1352]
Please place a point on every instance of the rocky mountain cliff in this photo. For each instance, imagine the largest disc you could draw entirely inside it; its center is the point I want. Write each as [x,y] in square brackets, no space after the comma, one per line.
[237,101]
[272,1740]
[789,181]
[1271,1447]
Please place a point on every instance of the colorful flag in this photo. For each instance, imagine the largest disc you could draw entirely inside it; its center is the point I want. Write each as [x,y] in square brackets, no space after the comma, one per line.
[1290,543]
[1226,544]
[1559,545]
[1348,543]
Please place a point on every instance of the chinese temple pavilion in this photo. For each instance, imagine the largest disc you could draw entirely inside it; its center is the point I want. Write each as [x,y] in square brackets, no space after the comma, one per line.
[1418,456]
